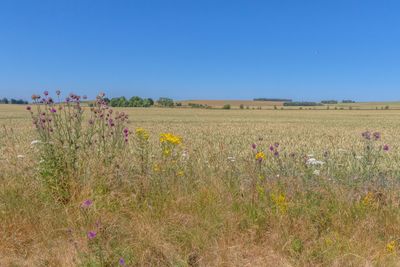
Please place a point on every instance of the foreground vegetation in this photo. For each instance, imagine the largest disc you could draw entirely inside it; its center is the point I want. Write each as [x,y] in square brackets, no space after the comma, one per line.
[198,187]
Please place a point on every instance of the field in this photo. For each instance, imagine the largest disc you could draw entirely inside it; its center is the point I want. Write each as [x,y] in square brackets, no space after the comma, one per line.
[222,188]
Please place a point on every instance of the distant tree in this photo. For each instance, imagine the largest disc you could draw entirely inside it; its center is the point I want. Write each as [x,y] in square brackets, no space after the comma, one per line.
[348,101]
[151,101]
[241,106]
[329,101]
[165,102]
[273,99]
[226,106]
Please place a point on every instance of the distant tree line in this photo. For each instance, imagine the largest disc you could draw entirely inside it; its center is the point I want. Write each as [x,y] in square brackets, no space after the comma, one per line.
[134,101]
[13,101]
[329,101]
[348,101]
[307,104]
[273,99]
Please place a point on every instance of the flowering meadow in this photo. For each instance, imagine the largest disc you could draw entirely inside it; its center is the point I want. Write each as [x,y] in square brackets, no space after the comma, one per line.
[92,185]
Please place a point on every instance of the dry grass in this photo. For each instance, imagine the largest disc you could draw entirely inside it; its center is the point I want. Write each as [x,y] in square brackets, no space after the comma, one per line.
[211,215]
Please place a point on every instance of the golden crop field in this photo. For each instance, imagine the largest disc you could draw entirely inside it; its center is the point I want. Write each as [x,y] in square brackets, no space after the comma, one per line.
[199,187]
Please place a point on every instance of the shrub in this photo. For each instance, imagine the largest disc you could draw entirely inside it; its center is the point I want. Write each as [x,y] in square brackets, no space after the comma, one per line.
[226,106]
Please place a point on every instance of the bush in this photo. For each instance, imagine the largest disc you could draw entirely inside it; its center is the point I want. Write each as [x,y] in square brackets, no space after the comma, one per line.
[165,102]
[226,106]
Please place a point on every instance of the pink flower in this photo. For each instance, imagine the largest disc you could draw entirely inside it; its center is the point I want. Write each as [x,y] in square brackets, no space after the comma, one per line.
[91,235]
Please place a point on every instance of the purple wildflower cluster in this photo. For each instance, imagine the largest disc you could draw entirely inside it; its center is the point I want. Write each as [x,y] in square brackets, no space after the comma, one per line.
[274,149]
[367,135]
[105,117]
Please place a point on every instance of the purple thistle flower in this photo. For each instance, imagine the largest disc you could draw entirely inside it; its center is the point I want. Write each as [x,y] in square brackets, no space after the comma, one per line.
[67,99]
[122,262]
[91,235]
[87,203]
[276,153]
[126,131]
[28,108]
[53,110]
[276,144]
[377,135]
[271,148]
[58,92]
[254,146]
[386,147]
[46,93]
[366,135]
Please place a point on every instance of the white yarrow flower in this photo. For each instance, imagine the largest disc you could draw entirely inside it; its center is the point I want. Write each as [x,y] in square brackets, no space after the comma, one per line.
[313,161]
[34,142]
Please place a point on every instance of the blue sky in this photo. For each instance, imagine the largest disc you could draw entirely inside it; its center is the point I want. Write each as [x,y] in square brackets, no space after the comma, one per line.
[186,49]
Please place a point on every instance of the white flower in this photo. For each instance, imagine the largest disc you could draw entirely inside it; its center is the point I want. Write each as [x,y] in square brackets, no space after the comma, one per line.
[34,142]
[313,161]
[316,172]
[231,159]
[359,157]
[20,156]
[185,154]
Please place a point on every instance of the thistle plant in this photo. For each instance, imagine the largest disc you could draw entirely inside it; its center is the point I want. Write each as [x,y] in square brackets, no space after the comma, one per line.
[67,139]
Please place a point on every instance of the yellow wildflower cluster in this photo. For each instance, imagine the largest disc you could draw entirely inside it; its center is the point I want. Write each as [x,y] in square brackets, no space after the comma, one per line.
[368,199]
[168,138]
[280,202]
[260,156]
[142,134]
[391,246]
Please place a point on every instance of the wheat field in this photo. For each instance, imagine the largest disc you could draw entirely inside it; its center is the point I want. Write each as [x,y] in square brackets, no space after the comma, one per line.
[219,188]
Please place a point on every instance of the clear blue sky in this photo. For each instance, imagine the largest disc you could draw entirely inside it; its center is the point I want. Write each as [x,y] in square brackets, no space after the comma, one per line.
[205,49]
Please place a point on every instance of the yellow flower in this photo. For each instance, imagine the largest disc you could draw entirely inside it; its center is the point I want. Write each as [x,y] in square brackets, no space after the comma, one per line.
[280,202]
[168,138]
[391,246]
[180,173]
[260,156]
[368,199]
[142,134]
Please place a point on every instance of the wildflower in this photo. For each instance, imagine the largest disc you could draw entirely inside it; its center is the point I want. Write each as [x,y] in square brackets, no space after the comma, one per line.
[170,138]
[359,157]
[366,135]
[53,110]
[231,159]
[316,172]
[276,144]
[58,92]
[386,147]
[376,136]
[91,235]
[34,142]
[20,156]
[280,202]
[276,153]
[391,246]
[28,108]
[122,262]
[368,199]
[254,146]
[46,93]
[260,156]
[271,148]
[142,134]
[313,161]
[87,203]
